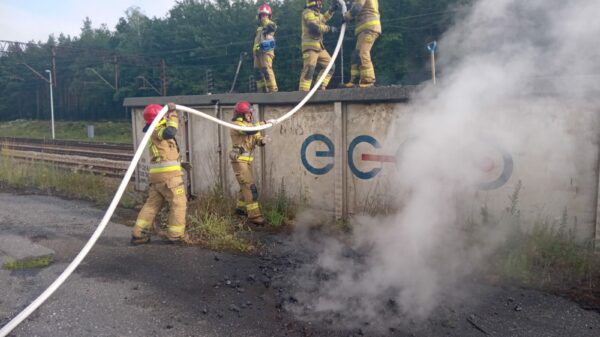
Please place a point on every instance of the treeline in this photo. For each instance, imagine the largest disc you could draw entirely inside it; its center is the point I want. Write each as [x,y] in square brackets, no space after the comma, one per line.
[195,50]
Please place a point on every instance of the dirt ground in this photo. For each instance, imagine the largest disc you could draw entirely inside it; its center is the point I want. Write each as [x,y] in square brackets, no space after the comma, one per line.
[165,290]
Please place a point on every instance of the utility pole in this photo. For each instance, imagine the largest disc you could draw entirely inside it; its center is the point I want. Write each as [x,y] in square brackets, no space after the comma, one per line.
[50,82]
[116,67]
[251,84]
[432,46]
[163,77]
[54,66]
[210,84]
[51,101]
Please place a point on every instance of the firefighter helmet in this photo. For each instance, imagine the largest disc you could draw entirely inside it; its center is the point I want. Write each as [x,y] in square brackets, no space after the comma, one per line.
[243,108]
[265,9]
[150,112]
[314,3]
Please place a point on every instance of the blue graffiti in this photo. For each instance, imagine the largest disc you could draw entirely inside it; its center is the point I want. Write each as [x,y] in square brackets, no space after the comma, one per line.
[358,173]
[322,154]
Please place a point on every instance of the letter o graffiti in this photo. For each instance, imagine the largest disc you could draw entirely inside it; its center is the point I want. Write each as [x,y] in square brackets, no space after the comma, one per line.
[329,153]
[358,173]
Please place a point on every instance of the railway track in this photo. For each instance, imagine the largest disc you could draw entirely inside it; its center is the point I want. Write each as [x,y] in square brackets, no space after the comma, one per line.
[101,158]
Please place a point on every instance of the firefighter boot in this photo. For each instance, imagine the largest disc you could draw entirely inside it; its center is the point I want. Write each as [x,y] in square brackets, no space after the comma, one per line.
[135,241]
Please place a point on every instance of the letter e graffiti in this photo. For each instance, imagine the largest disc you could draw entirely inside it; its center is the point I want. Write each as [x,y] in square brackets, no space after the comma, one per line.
[329,153]
[362,139]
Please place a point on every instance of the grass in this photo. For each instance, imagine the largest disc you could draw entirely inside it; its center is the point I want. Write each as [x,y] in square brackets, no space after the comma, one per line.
[71,184]
[30,263]
[212,224]
[548,258]
[104,131]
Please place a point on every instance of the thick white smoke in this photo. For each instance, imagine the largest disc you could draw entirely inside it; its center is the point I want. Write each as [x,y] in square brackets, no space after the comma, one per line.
[509,71]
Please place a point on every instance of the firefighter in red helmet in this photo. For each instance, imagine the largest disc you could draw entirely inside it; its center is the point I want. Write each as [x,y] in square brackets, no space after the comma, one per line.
[166,182]
[241,156]
[264,51]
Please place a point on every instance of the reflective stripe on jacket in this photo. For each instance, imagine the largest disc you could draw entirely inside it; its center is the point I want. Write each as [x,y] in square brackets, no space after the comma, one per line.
[313,27]
[366,14]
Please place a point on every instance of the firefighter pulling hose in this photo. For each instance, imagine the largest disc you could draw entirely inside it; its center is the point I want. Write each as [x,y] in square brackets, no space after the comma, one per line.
[12,324]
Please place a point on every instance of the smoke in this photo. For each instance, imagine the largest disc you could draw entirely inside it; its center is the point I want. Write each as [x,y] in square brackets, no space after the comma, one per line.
[510,70]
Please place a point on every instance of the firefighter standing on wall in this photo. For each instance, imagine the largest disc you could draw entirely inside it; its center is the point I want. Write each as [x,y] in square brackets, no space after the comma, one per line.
[264,51]
[243,145]
[368,29]
[313,50]
[166,182]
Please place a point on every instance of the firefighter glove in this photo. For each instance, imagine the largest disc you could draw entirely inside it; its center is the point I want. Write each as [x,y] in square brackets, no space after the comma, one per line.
[266,140]
[186,165]
[171,106]
[271,121]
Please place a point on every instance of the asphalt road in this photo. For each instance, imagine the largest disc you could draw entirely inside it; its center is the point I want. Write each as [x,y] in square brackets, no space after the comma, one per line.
[164,290]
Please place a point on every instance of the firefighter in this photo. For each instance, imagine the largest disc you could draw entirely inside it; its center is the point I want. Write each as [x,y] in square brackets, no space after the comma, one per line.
[166,182]
[264,51]
[243,144]
[368,28]
[313,50]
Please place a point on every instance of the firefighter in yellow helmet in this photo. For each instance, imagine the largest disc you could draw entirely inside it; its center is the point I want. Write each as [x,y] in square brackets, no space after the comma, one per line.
[166,182]
[313,50]
[368,28]
[243,145]
[264,51]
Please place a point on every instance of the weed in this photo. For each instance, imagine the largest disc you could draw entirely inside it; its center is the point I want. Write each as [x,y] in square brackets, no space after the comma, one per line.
[115,132]
[29,263]
[54,180]
[281,210]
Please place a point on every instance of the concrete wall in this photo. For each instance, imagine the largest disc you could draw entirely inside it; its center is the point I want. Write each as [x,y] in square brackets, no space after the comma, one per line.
[333,156]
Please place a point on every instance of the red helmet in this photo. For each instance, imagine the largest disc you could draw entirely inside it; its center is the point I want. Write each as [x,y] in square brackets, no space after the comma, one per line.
[265,9]
[243,107]
[151,111]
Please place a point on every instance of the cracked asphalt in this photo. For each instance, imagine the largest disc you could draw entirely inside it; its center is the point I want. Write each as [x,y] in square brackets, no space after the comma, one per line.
[164,290]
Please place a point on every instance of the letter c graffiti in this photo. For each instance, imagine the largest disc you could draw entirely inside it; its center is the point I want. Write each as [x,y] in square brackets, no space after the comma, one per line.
[329,153]
[362,139]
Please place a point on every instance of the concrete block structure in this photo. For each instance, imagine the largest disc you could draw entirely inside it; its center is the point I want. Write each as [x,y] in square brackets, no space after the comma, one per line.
[339,154]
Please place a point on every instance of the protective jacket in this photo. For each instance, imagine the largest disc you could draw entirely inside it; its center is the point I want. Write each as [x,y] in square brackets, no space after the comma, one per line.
[366,14]
[245,141]
[313,27]
[165,162]
[265,32]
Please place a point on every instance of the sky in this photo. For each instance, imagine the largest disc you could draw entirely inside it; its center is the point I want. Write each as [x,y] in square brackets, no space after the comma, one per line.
[22,20]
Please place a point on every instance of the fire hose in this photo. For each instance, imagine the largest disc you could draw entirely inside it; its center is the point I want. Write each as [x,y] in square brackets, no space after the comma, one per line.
[115,201]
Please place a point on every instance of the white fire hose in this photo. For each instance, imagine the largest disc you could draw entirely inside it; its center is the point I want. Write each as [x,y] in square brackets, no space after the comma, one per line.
[138,153]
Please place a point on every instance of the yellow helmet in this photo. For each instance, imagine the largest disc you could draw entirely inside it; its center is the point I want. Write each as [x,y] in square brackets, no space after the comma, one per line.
[314,3]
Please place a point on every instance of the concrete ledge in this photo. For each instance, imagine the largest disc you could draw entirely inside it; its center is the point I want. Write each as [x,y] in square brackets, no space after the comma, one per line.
[367,95]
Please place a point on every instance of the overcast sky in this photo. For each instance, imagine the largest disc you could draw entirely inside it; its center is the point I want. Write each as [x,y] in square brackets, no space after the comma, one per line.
[26,20]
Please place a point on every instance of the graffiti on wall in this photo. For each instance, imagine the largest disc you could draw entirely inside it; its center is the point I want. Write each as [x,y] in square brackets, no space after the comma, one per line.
[498,165]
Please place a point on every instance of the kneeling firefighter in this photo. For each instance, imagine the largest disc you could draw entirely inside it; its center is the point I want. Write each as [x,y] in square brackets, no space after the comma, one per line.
[243,145]
[166,182]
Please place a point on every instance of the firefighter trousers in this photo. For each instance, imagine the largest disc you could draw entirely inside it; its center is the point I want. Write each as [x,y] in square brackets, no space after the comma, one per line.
[171,190]
[362,66]
[311,58]
[248,195]
[263,72]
